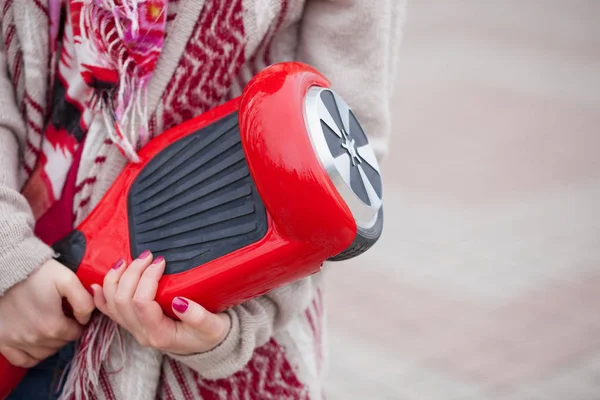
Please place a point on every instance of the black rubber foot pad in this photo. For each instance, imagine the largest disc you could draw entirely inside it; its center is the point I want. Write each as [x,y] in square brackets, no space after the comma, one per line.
[196,201]
[70,250]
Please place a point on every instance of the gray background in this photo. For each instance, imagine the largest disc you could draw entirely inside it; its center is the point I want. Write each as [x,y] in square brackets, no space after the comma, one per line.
[486,283]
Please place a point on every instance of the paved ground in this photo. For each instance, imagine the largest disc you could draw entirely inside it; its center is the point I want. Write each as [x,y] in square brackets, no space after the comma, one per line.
[486,283]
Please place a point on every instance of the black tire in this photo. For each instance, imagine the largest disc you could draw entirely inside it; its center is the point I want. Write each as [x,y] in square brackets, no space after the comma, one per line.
[365,239]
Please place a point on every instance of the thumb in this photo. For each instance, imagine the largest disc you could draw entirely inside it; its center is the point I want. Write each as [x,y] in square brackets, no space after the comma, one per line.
[81,301]
[212,327]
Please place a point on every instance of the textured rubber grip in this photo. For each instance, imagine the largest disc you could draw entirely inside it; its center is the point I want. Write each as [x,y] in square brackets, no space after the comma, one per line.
[70,250]
[196,200]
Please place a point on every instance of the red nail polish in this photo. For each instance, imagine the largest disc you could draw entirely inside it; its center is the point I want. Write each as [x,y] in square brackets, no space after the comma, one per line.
[180,305]
[118,264]
[144,254]
[158,260]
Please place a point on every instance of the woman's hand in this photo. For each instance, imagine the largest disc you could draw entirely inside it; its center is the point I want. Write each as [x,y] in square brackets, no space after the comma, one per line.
[33,325]
[127,297]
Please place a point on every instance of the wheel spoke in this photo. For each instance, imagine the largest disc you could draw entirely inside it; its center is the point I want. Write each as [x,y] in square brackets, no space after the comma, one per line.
[326,117]
[344,111]
[373,197]
[367,154]
[357,132]
[342,163]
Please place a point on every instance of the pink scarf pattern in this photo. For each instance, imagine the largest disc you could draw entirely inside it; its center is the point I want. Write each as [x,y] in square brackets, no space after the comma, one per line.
[100,67]
[118,43]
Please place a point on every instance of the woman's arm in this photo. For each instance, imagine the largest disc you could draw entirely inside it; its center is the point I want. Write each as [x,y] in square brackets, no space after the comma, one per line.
[354,44]
[253,323]
[32,285]
[20,251]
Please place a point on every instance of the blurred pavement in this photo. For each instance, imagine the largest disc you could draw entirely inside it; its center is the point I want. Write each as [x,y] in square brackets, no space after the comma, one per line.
[486,282]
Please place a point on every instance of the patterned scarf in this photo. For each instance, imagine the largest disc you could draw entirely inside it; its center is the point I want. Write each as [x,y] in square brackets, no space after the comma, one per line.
[117,43]
[101,66]
[103,54]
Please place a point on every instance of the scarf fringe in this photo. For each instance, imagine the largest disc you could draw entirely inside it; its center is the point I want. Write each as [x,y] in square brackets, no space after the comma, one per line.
[115,133]
[110,37]
[93,349]
[125,115]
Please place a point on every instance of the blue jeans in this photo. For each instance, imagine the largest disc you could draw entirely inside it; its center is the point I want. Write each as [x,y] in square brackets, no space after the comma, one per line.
[42,381]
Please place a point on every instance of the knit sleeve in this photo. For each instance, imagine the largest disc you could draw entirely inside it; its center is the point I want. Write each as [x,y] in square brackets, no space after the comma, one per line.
[354,43]
[20,251]
[253,324]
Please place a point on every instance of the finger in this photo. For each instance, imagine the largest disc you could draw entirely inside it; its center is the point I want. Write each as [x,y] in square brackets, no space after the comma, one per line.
[156,327]
[148,284]
[50,336]
[41,352]
[47,342]
[18,358]
[131,277]
[99,299]
[82,303]
[128,284]
[69,330]
[111,282]
[212,327]
[151,316]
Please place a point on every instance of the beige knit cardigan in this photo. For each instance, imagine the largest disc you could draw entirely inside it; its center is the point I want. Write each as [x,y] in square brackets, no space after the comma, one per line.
[353,42]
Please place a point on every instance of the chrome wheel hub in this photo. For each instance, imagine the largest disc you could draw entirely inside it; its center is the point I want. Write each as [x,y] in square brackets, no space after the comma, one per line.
[344,151]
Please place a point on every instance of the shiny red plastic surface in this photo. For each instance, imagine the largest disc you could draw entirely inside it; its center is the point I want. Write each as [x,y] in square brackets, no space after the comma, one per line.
[308,220]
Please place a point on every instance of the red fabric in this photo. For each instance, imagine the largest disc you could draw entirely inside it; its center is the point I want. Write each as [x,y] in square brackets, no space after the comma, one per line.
[58,221]
[268,374]
[213,56]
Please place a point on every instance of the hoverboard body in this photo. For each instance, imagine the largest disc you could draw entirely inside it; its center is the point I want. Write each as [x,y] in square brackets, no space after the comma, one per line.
[250,196]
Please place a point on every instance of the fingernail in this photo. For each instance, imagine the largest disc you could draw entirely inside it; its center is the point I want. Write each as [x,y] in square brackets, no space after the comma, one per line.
[118,264]
[158,260]
[144,254]
[180,305]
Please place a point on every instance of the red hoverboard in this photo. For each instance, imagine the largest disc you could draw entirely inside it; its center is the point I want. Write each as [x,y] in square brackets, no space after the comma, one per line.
[250,196]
